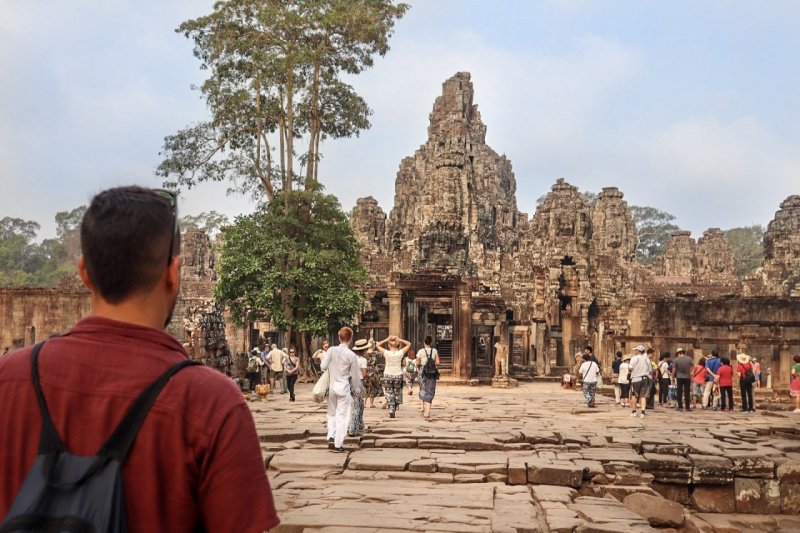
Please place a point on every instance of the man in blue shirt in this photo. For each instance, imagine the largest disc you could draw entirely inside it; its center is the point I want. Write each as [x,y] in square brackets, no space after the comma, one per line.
[712,367]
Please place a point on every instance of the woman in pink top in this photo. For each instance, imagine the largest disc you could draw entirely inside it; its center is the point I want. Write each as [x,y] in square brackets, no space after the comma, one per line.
[725,382]
[698,381]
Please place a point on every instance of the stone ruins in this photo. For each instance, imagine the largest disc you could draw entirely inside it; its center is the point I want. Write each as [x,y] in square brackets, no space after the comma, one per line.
[456,259]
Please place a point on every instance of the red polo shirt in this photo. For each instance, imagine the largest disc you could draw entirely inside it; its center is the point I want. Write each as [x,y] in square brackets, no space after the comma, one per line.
[196,458]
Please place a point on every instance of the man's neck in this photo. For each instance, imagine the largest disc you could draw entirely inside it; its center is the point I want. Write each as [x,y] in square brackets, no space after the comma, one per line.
[131,311]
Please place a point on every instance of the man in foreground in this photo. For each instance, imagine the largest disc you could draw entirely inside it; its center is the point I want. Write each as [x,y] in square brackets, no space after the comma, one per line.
[196,460]
[343,368]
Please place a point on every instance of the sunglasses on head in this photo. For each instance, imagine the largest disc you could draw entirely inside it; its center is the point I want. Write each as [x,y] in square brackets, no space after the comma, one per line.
[172,198]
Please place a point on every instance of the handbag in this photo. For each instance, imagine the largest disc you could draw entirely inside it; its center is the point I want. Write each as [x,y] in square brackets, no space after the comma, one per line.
[320,390]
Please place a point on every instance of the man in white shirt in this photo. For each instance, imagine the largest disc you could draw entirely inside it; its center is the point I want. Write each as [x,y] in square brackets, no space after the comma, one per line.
[342,366]
[641,369]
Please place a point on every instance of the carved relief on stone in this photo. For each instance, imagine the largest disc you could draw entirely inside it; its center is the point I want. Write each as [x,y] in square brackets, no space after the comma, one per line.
[781,268]
[715,261]
[678,259]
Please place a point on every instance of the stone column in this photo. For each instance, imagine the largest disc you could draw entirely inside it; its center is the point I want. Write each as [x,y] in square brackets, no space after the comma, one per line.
[780,375]
[396,312]
[462,349]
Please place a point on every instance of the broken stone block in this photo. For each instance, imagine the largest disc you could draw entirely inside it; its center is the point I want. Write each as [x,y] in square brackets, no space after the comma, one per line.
[790,498]
[468,478]
[789,472]
[658,512]
[550,474]
[675,493]
[757,496]
[517,471]
[711,470]
[548,493]
[669,468]
[423,465]
[714,498]
[752,464]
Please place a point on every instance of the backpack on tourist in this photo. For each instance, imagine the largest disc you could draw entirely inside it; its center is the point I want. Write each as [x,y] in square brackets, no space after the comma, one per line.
[65,492]
[749,377]
[429,369]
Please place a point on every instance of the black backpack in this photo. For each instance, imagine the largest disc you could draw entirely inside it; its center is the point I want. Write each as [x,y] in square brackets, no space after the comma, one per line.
[429,369]
[63,492]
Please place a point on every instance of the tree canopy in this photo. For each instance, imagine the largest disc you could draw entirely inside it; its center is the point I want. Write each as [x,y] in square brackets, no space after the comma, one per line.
[275,78]
[303,272]
[653,228]
[27,263]
[747,243]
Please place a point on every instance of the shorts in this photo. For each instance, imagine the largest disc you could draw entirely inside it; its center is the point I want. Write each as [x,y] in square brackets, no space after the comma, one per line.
[698,389]
[640,388]
[624,389]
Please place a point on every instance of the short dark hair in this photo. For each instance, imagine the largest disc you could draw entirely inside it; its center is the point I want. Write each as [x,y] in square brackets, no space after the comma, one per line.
[650,350]
[588,348]
[125,238]
[796,358]
[618,354]
[428,340]
[725,361]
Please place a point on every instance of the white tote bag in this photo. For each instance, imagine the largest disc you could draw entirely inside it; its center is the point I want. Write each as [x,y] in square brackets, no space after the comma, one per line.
[320,390]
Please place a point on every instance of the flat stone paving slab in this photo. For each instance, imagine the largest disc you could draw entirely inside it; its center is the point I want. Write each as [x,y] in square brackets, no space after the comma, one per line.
[474,466]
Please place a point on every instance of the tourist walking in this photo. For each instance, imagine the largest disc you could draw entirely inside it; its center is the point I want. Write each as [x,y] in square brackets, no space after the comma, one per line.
[275,358]
[651,394]
[641,374]
[410,370]
[428,363]
[589,371]
[292,370]
[698,382]
[794,383]
[196,462]
[725,382]
[757,372]
[342,366]
[624,381]
[357,426]
[393,372]
[664,378]
[615,377]
[375,365]
[682,372]
[746,380]
[712,366]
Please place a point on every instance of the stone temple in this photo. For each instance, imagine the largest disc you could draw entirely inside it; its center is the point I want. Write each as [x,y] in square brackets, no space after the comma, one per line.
[456,259]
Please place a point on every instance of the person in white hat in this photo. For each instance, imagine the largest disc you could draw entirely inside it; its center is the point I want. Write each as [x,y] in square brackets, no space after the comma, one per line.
[746,379]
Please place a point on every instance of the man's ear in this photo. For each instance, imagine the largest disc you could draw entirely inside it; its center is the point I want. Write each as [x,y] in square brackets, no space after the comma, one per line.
[84,275]
[174,273]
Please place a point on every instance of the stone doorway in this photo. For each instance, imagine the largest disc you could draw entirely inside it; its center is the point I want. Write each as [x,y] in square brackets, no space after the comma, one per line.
[430,315]
[483,351]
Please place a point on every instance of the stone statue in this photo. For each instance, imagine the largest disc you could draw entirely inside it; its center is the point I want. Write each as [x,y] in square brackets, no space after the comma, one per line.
[500,359]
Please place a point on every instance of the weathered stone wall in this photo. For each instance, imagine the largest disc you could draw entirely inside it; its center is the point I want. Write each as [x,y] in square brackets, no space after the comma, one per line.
[781,269]
[29,315]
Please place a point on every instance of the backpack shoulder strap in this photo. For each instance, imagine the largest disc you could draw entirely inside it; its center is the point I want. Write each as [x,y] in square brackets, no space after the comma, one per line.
[49,439]
[119,444]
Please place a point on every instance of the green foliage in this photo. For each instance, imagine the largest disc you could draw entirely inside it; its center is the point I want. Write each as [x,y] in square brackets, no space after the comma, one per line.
[296,261]
[653,228]
[275,77]
[26,263]
[209,222]
[748,248]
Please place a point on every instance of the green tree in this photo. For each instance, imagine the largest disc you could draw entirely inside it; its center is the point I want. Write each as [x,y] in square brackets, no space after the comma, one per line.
[20,256]
[748,248]
[653,228]
[209,222]
[275,78]
[303,272]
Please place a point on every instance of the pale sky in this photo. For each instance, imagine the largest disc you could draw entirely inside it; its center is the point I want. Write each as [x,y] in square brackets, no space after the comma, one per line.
[688,106]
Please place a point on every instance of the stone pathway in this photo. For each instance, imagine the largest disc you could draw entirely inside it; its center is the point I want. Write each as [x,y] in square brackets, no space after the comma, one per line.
[532,458]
